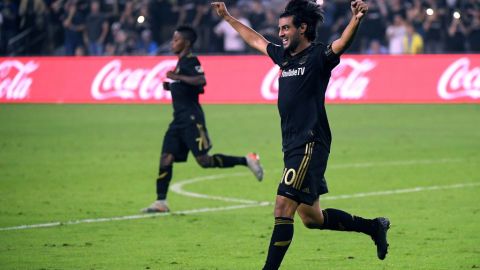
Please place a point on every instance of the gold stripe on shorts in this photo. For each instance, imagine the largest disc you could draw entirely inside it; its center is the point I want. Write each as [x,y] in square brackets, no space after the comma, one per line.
[203,138]
[301,165]
[305,162]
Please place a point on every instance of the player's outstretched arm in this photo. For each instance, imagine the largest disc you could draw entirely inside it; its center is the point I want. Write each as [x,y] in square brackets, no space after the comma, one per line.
[359,9]
[251,37]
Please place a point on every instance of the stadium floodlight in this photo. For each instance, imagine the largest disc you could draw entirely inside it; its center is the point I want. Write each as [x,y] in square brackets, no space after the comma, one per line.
[457,15]
[429,11]
[140,19]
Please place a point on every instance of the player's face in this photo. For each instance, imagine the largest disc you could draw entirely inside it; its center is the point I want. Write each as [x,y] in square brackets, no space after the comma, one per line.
[289,34]
[178,43]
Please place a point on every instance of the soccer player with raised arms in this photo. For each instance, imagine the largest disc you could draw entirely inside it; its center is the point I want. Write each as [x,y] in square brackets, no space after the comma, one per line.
[188,132]
[305,72]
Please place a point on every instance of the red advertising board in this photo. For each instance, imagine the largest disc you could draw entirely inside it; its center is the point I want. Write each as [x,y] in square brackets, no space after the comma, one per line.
[238,79]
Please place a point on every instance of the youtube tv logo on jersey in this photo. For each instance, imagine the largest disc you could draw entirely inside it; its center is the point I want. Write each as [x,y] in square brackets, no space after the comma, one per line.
[238,79]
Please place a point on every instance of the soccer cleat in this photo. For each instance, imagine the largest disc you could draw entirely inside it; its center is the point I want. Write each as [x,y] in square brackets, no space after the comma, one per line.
[253,163]
[157,207]
[380,236]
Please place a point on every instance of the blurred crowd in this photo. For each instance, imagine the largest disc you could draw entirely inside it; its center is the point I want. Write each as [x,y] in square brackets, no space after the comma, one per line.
[144,27]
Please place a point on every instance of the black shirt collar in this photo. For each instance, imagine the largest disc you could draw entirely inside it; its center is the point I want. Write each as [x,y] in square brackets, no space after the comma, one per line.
[287,54]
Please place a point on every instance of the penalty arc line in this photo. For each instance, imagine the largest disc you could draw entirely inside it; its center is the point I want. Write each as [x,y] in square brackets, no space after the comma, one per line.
[241,206]
[178,187]
[246,203]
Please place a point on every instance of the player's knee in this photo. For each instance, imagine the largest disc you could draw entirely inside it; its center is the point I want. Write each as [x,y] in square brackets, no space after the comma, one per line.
[311,221]
[311,224]
[285,208]
[204,161]
[280,212]
[166,160]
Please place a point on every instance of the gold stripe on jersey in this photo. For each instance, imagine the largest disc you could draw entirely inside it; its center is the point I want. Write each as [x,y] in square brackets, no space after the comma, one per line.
[282,243]
[301,177]
[304,165]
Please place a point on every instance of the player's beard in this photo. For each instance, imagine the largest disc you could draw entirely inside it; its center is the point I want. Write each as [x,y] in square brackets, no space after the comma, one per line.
[294,42]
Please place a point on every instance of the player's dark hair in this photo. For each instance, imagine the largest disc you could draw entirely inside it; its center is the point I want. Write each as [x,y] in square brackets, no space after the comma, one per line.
[187,33]
[304,11]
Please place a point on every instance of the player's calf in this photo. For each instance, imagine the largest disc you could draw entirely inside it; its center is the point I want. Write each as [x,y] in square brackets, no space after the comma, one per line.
[220,161]
[377,228]
[282,236]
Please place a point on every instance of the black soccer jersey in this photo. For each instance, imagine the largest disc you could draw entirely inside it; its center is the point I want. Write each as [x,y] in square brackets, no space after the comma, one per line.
[186,106]
[303,80]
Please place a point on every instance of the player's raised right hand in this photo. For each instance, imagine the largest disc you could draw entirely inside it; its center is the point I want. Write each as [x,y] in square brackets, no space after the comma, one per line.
[221,9]
[359,8]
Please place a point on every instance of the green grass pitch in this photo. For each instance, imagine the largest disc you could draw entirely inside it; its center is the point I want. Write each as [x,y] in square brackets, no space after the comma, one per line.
[61,163]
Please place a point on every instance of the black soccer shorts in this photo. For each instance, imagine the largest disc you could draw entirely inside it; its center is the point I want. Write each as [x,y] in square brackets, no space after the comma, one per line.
[178,141]
[303,177]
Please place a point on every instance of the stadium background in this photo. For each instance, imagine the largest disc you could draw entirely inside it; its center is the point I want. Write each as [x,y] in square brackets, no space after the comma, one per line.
[144,27]
[80,138]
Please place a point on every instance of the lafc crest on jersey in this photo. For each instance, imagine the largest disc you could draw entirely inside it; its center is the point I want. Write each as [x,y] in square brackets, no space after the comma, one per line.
[199,69]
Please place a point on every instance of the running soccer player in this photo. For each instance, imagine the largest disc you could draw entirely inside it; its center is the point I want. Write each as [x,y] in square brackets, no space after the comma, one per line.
[188,132]
[305,71]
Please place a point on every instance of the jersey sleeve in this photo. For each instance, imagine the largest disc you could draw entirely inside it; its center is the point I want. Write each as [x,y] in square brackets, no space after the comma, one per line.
[330,59]
[276,53]
[192,67]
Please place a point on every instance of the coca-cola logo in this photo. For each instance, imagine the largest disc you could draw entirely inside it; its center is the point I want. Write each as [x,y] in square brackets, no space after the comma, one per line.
[348,81]
[459,81]
[269,87]
[14,79]
[114,82]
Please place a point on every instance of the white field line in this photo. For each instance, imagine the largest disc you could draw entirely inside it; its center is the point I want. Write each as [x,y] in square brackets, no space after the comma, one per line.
[241,206]
[141,216]
[394,163]
[178,188]
[400,191]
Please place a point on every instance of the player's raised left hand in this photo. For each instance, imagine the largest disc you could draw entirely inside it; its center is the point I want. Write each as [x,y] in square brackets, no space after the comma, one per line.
[359,8]
[221,9]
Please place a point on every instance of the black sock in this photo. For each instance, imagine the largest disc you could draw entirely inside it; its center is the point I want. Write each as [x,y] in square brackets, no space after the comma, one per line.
[222,161]
[163,181]
[339,220]
[281,237]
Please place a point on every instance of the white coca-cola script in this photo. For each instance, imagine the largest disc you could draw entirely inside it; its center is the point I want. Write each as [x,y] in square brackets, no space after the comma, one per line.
[14,79]
[145,84]
[460,81]
[348,81]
